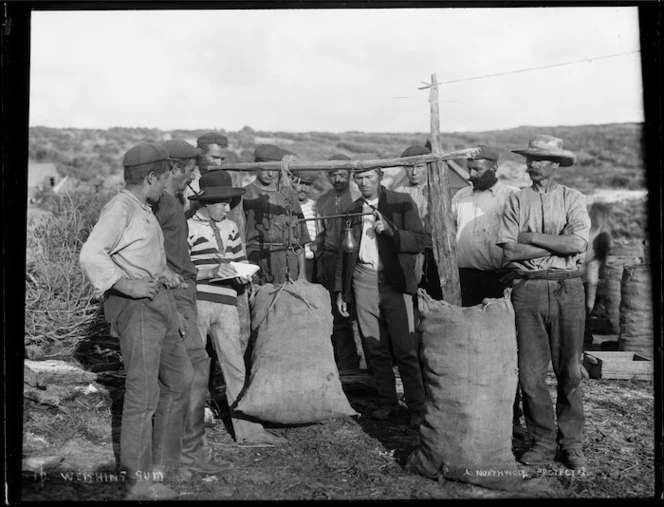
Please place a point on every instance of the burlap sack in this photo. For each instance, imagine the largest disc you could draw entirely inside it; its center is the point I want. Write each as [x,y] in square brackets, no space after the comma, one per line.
[293,378]
[469,358]
[636,318]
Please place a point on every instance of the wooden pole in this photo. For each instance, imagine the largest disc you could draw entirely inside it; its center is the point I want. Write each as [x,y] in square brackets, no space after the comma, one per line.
[327,165]
[443,227]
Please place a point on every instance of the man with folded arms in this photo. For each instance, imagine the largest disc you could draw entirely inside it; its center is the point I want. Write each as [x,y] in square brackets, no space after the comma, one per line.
[544,235]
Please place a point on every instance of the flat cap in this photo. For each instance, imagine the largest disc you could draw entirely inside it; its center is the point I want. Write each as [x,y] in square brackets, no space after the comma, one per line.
[306,177]
[268,153]
[177,148]
[486,153]
[144,153]
[339,156]
[211,138]
[414,150]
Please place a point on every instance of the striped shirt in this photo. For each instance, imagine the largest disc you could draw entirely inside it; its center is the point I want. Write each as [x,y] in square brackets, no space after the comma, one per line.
[207,253]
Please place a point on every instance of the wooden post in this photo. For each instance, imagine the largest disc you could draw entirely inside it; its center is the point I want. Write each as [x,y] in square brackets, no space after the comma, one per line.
[440,210]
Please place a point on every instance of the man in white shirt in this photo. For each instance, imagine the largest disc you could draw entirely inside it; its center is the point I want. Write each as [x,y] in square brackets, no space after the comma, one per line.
[303,182]
[477,212]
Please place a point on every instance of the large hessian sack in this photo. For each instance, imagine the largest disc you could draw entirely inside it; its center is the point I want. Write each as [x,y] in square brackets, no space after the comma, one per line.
[293,378]
[636,318]
[470,370]
[607,303]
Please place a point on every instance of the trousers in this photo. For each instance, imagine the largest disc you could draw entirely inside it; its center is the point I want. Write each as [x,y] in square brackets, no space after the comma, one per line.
[194,428]
[158,380]
[550,317]
[222,323]
[386,318]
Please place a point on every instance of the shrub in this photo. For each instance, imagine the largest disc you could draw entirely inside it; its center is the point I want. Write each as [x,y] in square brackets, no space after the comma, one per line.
[59,302]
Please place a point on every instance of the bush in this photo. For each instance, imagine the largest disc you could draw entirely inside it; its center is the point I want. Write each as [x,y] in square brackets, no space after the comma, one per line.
[59,302]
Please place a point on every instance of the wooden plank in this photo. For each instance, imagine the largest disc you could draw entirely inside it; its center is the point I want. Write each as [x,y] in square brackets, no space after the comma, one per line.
[443,228]
[617,365]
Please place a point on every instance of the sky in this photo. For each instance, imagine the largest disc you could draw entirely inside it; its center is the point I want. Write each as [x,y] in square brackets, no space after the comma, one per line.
[335,70]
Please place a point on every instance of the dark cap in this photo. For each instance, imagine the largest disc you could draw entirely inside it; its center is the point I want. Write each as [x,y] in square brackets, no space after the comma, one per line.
[177,148]
[212,138]
[339,156]
[306,177]
[144,153]
[486,153]
[414,150]
[268,153]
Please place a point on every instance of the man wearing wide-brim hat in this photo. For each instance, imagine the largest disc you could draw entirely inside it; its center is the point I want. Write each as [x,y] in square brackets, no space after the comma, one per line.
[124,259]
[215,241]
[544,236]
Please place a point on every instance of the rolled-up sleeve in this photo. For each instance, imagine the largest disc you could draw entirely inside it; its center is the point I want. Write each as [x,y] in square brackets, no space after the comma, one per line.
[577,216]
[95,258]
[509,222]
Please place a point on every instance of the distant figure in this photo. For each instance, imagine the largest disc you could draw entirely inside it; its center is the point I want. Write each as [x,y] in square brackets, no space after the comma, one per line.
[303,184]
[212,148]
[418,188]
[594,266]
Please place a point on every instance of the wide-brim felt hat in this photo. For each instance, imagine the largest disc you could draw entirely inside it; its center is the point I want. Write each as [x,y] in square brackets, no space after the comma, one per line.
[217,186]
[548,148]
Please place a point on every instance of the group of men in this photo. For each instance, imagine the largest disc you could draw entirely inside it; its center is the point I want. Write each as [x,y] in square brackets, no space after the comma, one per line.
[162,255]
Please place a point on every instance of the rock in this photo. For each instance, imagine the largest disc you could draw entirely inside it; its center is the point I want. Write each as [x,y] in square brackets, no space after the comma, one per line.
[54,371]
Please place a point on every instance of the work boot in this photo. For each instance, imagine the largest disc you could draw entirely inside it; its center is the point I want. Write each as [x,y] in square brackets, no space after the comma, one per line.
[572,458]
[416,419]
[199,462]
[384,413]
[148,490]
[263,438]
[538,455]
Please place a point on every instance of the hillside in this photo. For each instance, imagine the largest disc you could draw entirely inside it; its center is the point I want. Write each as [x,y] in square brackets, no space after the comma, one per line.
[609,156]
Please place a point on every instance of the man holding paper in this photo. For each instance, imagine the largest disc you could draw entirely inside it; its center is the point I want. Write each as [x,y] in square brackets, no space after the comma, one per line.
[216,247]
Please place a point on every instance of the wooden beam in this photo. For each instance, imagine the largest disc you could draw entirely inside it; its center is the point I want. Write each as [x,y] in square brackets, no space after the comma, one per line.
[328,165]
[443,227]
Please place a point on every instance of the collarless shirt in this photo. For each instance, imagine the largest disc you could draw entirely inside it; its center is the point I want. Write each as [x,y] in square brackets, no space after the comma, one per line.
[126,242]
[548,213]
[328,204]
[420,194]
[478,215]
[368,252]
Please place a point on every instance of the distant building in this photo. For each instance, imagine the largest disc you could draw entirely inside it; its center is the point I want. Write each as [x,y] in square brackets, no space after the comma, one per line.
[40,175]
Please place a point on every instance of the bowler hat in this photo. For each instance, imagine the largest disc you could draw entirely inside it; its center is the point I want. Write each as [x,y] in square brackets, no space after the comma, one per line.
[548,148]
[217,186]
[177,148]
[268,153]
[485,153]
[144,153]
[211,138]
[413,151]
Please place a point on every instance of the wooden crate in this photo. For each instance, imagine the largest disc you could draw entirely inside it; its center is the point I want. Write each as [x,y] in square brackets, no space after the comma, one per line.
[617,365]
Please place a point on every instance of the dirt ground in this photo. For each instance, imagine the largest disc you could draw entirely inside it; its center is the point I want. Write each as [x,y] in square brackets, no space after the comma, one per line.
[355,458]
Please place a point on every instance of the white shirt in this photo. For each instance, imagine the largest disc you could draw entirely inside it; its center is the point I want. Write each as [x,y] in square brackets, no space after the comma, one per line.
[309,211]
[368,253]
[478,214]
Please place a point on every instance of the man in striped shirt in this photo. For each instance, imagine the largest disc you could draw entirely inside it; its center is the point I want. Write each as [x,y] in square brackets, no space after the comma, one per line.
[215,241]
